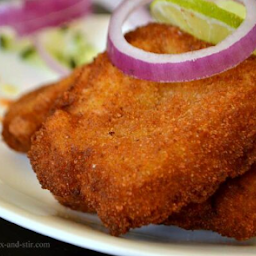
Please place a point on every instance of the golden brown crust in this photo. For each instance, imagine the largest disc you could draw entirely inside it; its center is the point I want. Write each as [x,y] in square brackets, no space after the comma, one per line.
[230,212]
[75,203]
[25,116]
[139,151]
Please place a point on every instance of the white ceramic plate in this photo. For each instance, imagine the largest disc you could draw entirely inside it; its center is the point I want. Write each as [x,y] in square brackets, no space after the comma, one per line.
[22,201]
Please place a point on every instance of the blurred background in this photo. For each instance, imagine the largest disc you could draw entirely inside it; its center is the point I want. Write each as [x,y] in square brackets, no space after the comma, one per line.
[43,40]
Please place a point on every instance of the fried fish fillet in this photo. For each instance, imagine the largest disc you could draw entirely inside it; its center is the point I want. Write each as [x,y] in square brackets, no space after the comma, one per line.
[26,115]
[139,151]
[231,211]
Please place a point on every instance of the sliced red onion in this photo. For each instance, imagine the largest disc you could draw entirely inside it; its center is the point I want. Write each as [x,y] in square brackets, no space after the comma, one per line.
[32,15]
[29,16]
[179,67]
[139,17]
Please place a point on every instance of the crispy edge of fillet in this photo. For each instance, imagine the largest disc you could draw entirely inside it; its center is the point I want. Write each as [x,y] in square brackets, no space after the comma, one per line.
[210,140]
[26,115]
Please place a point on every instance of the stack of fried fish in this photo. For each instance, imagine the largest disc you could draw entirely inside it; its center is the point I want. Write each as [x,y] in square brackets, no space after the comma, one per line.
[138,152]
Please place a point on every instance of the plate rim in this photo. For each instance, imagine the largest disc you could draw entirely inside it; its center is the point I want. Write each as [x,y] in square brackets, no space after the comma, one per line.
[104,242]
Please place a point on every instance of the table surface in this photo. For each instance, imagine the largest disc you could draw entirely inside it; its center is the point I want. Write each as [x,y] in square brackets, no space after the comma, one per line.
[15,240]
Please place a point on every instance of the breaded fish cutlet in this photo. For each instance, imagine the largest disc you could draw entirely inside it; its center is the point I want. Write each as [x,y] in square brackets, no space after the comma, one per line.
[139,151]
[231,211]
[25,116]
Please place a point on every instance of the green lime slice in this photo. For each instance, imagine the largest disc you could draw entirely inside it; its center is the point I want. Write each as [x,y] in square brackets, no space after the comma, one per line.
[232,6]
[204,20]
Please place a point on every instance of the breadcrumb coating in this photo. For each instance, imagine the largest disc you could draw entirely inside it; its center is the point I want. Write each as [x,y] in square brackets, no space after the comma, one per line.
[25,116]
[231,211]
[138,151]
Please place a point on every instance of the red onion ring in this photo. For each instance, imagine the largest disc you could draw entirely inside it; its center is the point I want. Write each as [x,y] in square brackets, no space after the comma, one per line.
[179,67]
[33,15]
[139,17]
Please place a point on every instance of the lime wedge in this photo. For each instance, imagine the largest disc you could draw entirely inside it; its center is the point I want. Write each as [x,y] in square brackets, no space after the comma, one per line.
[232,6]
[202,19]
